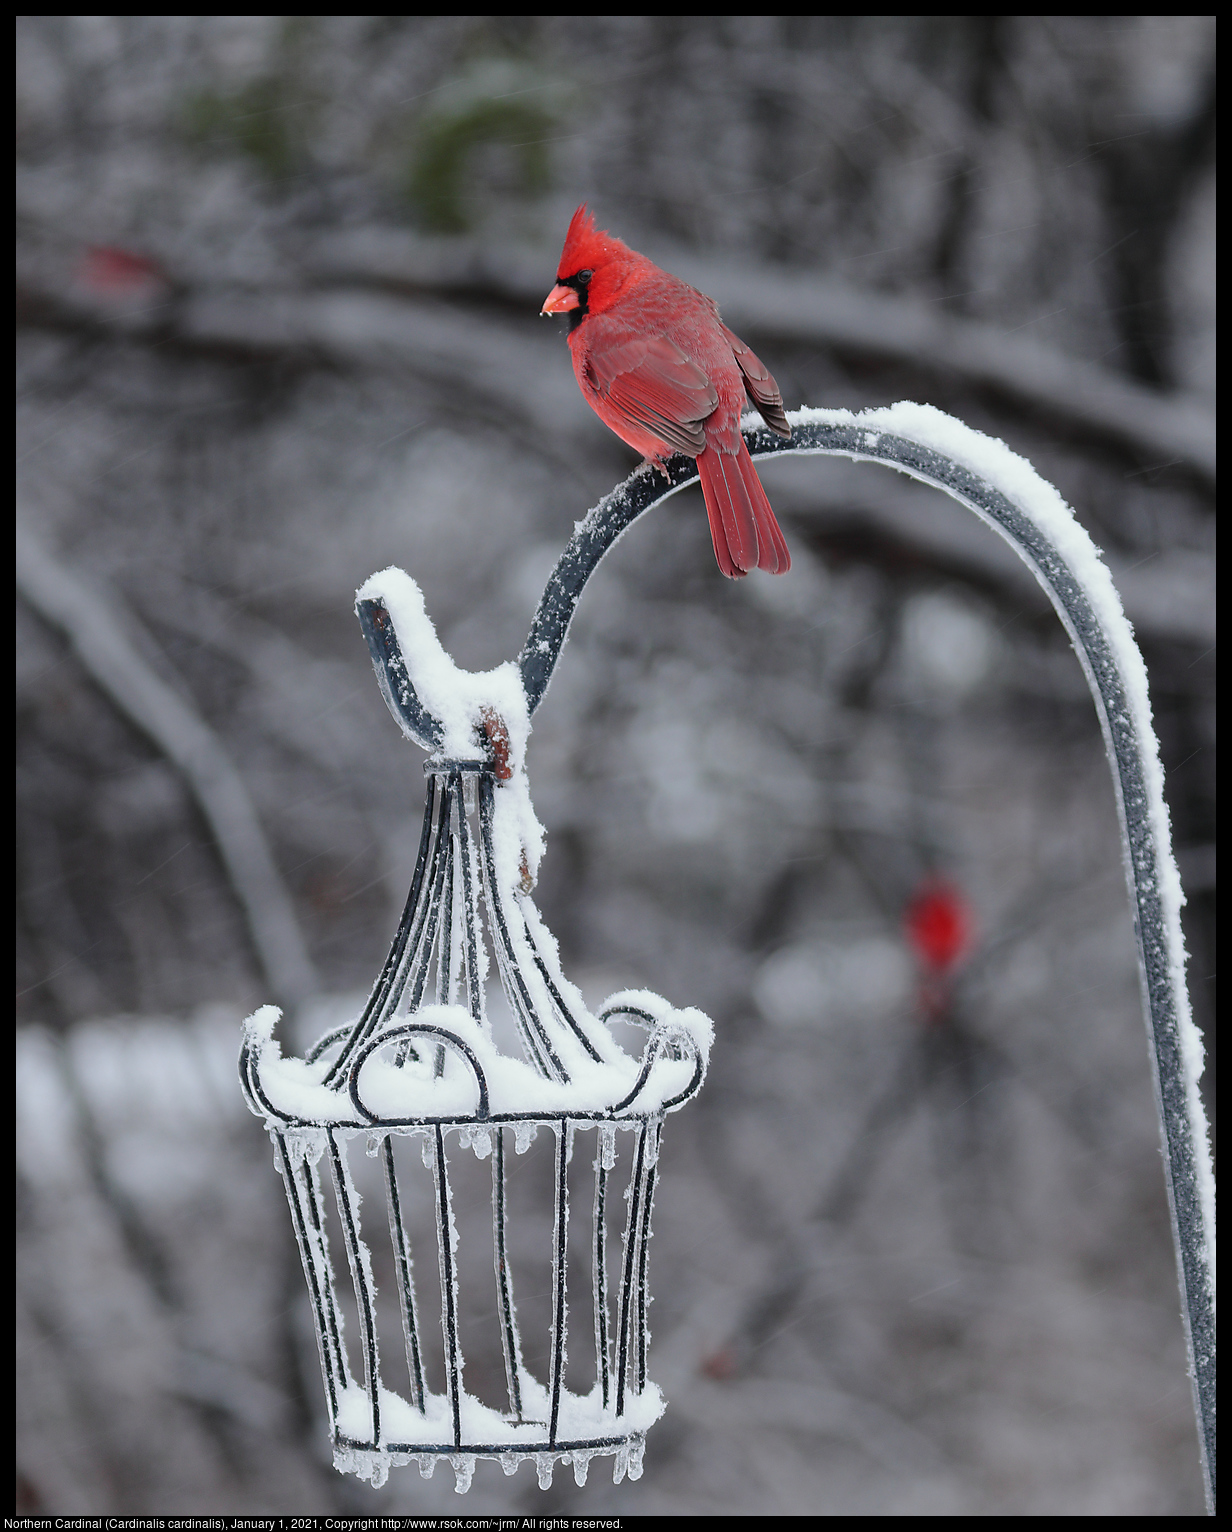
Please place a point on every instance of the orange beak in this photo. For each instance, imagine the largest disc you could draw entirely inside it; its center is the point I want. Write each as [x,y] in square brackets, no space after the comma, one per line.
[560,300]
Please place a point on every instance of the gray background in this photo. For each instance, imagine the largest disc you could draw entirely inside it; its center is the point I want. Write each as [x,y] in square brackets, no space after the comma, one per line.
[278,285]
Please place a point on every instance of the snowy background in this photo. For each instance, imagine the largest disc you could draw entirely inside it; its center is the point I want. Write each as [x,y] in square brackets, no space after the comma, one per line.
[278,285]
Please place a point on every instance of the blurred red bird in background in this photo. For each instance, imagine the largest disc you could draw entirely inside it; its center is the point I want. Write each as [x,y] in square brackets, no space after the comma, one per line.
[940,928]
[656,364]
[938,924]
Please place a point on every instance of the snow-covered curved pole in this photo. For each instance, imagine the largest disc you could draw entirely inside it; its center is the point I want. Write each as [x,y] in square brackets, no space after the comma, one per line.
[1005,492]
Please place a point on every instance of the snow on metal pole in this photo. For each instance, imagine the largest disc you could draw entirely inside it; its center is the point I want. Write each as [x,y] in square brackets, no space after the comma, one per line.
[1006,493]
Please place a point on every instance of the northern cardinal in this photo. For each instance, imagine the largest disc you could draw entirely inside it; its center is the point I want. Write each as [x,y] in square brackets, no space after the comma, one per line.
[939,926]
[657,364]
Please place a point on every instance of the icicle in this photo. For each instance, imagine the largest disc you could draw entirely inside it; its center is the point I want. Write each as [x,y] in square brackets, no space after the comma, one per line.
[373,1466]
[581,1466]
[373,1147]
[607,1146]
[463,1467]
[303,1144]
[426,1465]
[544,1463]
[524,1136]
[637,1451]
[621,1465]
[509,1464]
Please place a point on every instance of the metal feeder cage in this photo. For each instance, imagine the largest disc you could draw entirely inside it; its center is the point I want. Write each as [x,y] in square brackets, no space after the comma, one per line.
[422,1062]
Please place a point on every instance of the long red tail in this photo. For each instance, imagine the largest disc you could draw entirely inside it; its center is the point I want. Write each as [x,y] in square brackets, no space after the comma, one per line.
[742,525]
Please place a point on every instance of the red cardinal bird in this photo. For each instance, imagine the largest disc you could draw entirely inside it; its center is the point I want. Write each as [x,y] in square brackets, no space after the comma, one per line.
[940,927]
[657,365]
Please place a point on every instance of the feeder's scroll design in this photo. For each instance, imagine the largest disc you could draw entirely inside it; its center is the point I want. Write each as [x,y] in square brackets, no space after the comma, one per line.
[436,1065]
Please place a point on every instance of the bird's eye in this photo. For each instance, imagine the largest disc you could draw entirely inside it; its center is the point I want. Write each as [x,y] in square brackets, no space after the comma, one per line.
[585,276]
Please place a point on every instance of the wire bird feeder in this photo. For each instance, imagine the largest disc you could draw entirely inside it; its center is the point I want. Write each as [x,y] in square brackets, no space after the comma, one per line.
[422,1061]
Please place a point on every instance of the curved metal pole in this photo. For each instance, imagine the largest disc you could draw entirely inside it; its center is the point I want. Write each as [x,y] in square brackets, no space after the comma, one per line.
[1133,759]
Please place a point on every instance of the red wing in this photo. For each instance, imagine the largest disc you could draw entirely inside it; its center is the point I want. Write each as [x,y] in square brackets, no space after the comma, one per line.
[759,385]
[654,385]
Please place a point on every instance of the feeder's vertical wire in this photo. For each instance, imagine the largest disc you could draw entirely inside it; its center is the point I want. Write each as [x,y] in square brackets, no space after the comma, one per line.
[449,1282]
[629,1269]
[445,976]
[310,1237]
[377,1006]
[643,1252]
[473,937]
[316,1210]
[418,956]
[406,1280]
[560,1272]
[504,1280]
[364,1295]
[439,866]
[444,950]
[529,1030]
[558,1000]
[600,1263]
[533,1033]
[432,908]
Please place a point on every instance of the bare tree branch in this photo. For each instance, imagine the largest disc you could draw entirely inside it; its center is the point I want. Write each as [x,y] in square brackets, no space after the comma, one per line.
[810,308]
[91,621]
